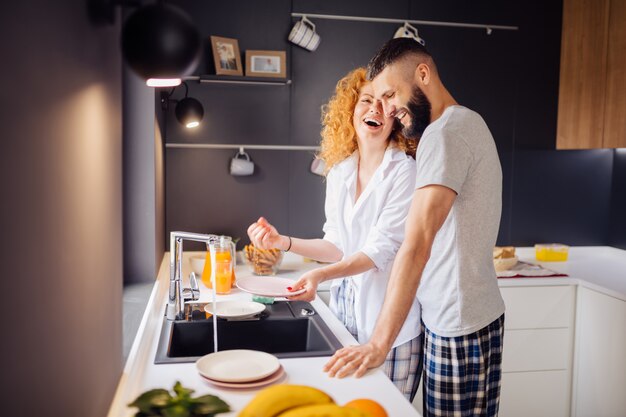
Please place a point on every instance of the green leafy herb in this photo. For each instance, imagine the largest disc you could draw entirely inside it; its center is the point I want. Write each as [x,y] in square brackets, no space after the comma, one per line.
[209,404]
[155,398]
[160,403]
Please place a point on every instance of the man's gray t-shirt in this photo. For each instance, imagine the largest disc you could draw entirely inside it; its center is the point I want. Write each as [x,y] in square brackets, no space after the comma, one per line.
[459,291]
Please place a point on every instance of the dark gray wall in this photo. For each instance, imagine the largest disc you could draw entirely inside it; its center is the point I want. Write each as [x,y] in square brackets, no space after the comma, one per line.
[563,196]
[61,211]
[617,226]
[510,78]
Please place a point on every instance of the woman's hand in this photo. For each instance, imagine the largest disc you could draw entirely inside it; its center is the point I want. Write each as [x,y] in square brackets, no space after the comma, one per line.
[265,236]
[309,281]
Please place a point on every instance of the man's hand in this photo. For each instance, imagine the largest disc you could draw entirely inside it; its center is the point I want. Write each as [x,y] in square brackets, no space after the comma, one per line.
[355,360]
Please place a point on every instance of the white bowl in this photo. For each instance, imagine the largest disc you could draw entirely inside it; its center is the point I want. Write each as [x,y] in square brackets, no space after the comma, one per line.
[197,264]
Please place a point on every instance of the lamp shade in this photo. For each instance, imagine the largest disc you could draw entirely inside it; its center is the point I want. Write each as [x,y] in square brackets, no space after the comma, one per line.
[160,41]
[189,112]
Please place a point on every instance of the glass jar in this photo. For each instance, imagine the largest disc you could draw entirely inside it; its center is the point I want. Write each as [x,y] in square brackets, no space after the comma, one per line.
[224,265]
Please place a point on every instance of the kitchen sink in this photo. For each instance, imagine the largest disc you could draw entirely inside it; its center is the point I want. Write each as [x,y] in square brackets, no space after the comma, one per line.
[285,329]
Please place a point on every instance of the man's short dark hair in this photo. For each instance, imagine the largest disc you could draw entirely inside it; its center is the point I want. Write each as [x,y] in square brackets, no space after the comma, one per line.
[392,51]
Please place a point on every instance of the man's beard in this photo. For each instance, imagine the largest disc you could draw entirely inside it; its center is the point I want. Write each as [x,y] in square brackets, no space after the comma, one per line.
[419,111]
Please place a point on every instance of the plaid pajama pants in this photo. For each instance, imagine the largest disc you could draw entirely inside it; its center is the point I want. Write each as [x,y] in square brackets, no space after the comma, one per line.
[403,364]
[462,374]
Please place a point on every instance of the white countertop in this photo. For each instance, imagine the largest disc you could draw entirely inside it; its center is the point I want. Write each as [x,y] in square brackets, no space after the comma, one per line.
[141,374]
[600,268]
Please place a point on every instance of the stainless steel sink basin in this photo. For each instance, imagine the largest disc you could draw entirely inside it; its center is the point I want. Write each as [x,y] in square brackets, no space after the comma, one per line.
[283,329]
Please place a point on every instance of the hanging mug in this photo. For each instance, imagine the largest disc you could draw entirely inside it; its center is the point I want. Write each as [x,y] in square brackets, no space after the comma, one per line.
[241,165]
[408,31]
[318,167]
[303,34]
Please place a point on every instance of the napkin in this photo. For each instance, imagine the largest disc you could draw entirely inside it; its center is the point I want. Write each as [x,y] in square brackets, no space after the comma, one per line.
[528,270]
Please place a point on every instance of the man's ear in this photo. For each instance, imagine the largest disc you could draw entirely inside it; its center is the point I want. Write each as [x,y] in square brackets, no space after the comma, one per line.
[422,74]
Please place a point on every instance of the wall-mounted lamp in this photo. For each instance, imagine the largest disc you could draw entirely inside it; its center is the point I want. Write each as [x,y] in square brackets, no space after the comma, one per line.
[159,41]
[189,111]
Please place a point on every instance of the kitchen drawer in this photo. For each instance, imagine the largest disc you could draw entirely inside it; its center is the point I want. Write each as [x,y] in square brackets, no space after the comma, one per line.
[538,307]
[536,394]
[536,350]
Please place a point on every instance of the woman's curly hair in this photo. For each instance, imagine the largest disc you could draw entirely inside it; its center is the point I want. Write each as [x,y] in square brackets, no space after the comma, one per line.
[338,134]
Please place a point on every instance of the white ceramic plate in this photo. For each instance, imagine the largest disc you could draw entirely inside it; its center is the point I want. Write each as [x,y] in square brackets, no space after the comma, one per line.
[231,309]
[239,365]
[276,376]
[268,286]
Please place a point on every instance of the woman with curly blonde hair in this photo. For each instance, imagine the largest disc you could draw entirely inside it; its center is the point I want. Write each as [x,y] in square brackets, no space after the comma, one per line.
[339,139]
[369,186]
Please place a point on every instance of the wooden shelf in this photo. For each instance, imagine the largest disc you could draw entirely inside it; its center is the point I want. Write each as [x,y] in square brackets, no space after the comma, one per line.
[236,79]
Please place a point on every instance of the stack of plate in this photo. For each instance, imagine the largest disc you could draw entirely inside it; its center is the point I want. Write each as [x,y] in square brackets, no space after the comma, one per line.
[240,369]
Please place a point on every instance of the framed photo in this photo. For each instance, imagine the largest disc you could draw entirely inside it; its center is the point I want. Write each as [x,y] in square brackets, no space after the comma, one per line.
[266,64]
[226,56]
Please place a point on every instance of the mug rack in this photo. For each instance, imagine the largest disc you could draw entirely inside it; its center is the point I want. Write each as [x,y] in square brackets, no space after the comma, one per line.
[488,28]
[241,147]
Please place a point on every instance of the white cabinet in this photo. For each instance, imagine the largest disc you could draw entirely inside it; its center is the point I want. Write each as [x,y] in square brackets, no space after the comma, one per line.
[537,355]
[534,394]
[599,386]
[538,349]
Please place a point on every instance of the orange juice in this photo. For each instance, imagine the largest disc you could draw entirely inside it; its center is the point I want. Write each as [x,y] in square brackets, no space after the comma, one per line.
[223,276]
[551,252]
[220,256]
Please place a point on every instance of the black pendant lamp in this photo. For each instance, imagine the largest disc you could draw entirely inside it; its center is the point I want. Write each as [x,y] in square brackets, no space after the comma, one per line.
[161,44]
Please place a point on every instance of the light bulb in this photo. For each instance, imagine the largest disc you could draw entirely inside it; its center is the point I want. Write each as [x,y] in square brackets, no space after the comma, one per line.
[163,82]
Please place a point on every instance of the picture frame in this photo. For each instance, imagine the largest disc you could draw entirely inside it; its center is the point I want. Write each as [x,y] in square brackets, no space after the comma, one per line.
[266,64]
[226,56]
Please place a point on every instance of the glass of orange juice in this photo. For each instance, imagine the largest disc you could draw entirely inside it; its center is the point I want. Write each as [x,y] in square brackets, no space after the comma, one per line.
[223,276]
[224,265]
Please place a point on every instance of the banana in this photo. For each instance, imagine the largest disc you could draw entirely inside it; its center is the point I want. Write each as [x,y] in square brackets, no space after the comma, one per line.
[273,400]
[324,410]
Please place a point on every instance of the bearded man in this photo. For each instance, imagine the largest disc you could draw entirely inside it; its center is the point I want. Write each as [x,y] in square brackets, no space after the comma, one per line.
[446,257]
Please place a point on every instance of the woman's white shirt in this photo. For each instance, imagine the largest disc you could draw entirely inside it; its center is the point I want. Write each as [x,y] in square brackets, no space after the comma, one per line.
[373,225]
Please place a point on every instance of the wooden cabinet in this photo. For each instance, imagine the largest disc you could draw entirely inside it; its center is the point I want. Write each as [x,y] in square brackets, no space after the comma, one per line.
[592,92]
[615,102]
[538,350]
[600,359]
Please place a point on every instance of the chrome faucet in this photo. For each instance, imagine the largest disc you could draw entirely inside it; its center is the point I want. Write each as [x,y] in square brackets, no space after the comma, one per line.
[178,294]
